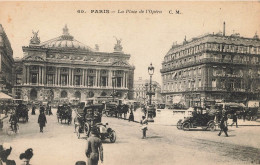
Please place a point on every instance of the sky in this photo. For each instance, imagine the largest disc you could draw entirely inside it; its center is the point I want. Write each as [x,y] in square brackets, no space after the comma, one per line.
[145,36]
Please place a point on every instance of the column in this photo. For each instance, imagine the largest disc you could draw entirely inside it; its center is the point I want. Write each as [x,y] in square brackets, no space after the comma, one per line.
[124,80]
[43,75]
[109,78]
[58,76]
[40,75]
[69,77]
[28,74]
[86,77]
[83,78]
[24,74]
[96,79]
[72,77]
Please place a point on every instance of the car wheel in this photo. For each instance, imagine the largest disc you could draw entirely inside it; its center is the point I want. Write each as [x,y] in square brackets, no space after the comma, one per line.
[186,126]
[179,125]
[113,137]
[211,126]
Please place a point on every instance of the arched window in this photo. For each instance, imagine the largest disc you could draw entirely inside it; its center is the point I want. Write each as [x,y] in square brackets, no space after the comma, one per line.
[33,94]
[104,94]
[64,94]
[77,94]
[90,94]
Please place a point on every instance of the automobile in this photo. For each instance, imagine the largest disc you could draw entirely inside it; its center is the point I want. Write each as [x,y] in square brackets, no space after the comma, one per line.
[89,117]
[105,132]
[197,119]
[230,108]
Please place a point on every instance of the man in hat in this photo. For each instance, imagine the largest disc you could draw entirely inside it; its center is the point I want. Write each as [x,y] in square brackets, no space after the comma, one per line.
[144,123]
[94,148]
[42,121]
[223,126]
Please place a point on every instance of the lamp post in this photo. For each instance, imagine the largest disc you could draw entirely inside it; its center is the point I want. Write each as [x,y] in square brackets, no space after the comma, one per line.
[150,93]
[113,84]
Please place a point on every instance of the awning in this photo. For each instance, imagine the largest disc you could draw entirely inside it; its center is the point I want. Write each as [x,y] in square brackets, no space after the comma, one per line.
[4,96]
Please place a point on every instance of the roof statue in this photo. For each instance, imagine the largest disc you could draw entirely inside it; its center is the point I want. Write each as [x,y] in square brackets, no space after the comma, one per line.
[35,39]
[256,36]
[66,30]
[118,47]
[97,47]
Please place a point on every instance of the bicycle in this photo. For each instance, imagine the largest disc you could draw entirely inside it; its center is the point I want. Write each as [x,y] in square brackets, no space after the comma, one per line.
[12,128]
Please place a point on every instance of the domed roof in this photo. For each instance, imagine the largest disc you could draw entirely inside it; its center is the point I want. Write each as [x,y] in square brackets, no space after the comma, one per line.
[65,41]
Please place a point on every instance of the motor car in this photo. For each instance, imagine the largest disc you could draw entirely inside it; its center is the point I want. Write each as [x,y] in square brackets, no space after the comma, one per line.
[198,118]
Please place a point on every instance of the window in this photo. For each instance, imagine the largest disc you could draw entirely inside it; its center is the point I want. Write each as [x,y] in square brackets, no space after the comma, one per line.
[34,78]
[214,84]
[118,81]
[50,79]
[77,80]
[18,79]
[90,81]
[63,79]
[103,81]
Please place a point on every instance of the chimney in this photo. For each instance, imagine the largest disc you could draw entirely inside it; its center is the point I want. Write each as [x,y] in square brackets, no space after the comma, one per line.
[224,29]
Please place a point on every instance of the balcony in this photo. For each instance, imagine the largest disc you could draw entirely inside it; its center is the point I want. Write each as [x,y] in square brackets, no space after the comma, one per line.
[207,60]
[198,89]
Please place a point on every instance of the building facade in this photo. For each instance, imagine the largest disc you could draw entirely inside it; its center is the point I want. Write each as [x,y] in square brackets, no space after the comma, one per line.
[140,91]
[6,63]
[64,68]
[212,67]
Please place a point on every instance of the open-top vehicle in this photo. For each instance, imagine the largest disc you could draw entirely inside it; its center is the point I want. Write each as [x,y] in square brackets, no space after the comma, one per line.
[92,116]
[197,119]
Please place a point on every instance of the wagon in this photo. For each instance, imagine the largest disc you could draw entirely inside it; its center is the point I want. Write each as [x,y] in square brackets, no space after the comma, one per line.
[22,112]
[111,110]
[64,112]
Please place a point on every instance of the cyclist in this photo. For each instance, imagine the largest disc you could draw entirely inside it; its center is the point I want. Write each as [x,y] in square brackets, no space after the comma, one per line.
[13,120]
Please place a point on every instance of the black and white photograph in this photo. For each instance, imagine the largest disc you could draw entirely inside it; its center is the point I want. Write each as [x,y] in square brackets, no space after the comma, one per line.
[129,83]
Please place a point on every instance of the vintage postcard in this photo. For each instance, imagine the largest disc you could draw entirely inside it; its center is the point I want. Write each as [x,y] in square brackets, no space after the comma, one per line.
[133,83]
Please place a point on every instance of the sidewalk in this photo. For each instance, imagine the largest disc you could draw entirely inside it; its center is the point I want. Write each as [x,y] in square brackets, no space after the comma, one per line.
[240,122]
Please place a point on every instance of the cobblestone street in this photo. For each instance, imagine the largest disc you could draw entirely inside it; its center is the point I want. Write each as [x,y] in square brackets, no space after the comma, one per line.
[165,144]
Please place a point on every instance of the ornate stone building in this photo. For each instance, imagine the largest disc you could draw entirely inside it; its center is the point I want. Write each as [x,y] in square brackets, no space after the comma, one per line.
[6,63]
[212,67]
[64,68]
[140,91]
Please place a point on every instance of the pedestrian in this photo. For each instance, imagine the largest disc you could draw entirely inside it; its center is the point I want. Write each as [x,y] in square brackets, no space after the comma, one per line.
[244,115]
[50,112]
[33,110]
[42,121]
[234,120]
[223,126]
[144,123]
[131,116]
[94,148]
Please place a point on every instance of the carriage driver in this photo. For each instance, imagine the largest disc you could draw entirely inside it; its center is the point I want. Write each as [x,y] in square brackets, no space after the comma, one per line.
[13,121]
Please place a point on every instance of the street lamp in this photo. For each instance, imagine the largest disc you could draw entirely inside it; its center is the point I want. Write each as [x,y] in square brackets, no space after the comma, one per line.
[113,84]
[150,93]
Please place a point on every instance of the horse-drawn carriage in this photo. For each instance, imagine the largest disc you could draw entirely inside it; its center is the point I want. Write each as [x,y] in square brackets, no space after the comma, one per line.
[111,110]
[64,112]
[91,116]
[22,112]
